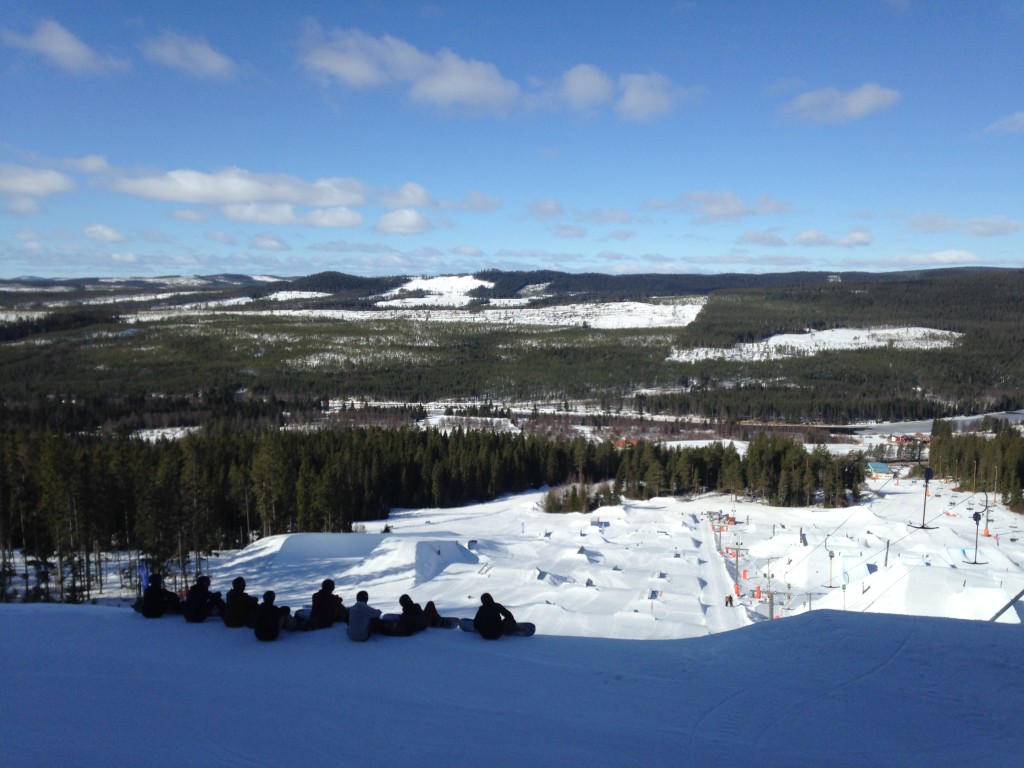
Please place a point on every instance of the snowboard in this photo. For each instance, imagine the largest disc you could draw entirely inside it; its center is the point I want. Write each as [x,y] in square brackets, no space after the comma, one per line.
[446,622]
[523,628]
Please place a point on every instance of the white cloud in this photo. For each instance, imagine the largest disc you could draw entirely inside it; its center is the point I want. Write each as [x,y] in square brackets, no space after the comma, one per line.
[267,241]
[221,237]
[812,237]
[89,164]
[546,209]
[126,257]
[192,56]
[568,230]
[718,206]
[56,44]
[832,106]
[993,226]
[620,234]
[235,185]
[447,80]
[277,214]
[404,221]
[607,216]
[724,205]
[409,195]
[768,238]
[442,79]
[343,246]
[645,97]
[455,82]
[585,87]
[19,181]
[23,206]
[189,214]
[479,202]
[932,223]
[339,216]
[104,234]
[1011,124]
[855,238]
[360,60]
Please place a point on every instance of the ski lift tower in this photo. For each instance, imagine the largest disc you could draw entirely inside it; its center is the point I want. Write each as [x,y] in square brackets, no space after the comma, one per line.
[928,474]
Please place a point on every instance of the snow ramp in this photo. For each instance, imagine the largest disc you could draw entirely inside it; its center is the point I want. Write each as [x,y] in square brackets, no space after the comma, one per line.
[296,548]
[410,558]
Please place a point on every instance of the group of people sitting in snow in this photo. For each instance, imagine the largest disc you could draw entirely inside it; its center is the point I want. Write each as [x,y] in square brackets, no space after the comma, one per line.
[267,619]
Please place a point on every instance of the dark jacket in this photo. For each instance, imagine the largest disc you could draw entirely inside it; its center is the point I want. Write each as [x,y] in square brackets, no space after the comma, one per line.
[491,620]
[200,603]
[239,608]
[269,617]
[156,601]
[412,620]
[327,609]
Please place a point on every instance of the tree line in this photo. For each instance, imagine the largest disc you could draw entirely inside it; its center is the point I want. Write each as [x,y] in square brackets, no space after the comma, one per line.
[989,458]
[68,497]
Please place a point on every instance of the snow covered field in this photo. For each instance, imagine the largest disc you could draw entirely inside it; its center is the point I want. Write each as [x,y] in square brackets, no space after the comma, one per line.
[636,661]
[785,345]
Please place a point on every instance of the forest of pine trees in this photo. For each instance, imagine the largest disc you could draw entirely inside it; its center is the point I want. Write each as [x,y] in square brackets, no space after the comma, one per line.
[990,459]
[67,498]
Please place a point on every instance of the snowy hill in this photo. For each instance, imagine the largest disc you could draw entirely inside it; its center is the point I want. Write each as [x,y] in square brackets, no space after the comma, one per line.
[637,661]
[89,687]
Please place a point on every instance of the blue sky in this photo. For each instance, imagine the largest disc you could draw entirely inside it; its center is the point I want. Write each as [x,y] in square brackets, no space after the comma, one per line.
[449,137]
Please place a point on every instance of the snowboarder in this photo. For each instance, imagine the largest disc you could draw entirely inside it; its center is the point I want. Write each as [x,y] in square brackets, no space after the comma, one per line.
[327,607]
[239,607]
[270,618]
[200,602]
[493,619]
[412,620]
[156,601]
[363,620]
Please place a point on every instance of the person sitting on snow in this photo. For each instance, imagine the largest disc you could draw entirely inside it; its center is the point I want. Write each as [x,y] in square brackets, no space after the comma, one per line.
[492,619]
[156,601]
[201,603]
[327,607]
[362,619]
[412,620]
[239,607]
[270,618]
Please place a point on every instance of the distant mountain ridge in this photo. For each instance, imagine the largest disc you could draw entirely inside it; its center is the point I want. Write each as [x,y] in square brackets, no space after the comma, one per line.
[505,284]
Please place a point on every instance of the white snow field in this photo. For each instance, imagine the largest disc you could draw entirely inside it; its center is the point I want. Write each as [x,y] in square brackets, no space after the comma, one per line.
[636,661]
[783,345]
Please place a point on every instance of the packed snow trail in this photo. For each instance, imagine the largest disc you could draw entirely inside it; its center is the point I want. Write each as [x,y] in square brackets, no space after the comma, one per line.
[717,586]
